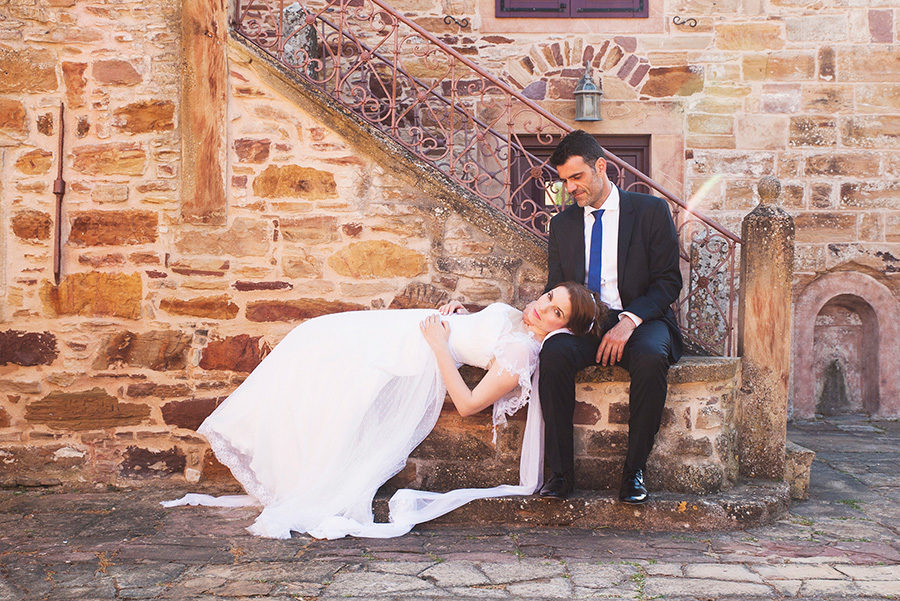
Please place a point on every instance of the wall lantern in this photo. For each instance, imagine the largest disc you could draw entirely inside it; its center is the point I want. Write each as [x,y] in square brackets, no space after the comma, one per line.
[587,97]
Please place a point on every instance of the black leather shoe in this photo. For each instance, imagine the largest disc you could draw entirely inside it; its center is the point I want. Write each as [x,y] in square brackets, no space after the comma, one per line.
[633,490]
[559,486]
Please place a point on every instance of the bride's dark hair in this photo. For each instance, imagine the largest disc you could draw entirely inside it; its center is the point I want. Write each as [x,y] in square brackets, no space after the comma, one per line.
[588,312]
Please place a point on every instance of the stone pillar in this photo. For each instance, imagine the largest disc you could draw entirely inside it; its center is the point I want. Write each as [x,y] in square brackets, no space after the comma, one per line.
[204,36]
[764,334]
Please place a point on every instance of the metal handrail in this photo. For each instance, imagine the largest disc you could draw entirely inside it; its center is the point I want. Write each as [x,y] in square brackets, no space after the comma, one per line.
[354,50]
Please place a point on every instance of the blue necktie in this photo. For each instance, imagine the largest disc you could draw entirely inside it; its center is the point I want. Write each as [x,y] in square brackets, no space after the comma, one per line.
[596,261]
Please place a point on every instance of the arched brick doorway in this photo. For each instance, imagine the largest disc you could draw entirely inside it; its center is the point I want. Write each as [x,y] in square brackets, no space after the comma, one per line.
[846,347]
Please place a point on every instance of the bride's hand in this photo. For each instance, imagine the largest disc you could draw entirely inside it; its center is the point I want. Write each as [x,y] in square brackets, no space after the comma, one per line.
[435,331]
[453,307]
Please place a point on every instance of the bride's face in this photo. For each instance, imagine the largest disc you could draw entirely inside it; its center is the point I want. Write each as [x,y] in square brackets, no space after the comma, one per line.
[549,312]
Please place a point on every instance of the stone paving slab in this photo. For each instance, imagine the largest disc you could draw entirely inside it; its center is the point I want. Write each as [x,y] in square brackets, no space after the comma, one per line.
[100,545]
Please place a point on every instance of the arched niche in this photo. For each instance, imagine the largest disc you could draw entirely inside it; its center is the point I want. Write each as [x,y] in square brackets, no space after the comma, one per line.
[877,311]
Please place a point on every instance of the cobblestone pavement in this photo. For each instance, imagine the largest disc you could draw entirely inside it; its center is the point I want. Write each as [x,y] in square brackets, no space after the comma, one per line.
[103,544]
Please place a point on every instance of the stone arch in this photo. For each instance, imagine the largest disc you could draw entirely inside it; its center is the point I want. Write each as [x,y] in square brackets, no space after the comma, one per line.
[878,310]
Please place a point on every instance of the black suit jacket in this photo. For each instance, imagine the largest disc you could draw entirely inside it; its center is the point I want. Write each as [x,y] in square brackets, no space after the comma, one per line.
[648,270]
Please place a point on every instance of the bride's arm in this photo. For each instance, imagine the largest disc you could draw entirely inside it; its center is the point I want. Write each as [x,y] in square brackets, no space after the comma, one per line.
[496,383]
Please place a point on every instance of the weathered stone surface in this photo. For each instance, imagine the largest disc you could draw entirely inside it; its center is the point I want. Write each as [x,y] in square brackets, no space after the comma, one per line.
[586,414]
[619,413]
[377,259]
[869,63]
[293,181]
[871,131]
[12,116]
[73,76]
[245,237]
[116,72]
[782,66]
[189,414]
[318,229]
[244,286]
[749,36]
[797,463]
[251,150]
[35,162]
[813,131]
[294,310]
[856,164]
[419,295]
[32,225]
[45,124]
[874,195]
[694,446]
[146,463]
[146,116]
[5,420]
[44,465]
[213,307]
[114,228]
[825,227]
[110,159]
[109,193]
[92,409]
[305,266]
[157,391]
[236,353]
[673,81]
[95,293]
[27,348]
[160,350]
[27,71]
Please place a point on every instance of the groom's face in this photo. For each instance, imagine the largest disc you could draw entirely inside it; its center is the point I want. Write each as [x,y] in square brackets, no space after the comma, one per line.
[586,183]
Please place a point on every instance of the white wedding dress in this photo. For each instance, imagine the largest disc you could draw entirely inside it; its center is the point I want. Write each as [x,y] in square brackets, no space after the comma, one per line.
[340,403]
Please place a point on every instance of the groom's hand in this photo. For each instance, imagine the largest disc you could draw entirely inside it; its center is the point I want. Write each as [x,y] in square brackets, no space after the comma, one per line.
[612,345]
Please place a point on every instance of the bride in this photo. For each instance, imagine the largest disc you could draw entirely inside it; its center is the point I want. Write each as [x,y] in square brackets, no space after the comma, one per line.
[337,407]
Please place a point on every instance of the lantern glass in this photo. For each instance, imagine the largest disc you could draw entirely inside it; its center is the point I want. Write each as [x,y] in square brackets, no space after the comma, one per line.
[587,97]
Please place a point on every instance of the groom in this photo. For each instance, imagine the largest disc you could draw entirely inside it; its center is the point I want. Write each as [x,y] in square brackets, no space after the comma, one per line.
[623,245]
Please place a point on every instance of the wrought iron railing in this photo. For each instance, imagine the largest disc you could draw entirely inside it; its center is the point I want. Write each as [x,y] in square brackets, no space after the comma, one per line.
[472,127]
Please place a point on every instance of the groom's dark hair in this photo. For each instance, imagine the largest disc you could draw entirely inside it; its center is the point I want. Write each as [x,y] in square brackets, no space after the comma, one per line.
[577,143]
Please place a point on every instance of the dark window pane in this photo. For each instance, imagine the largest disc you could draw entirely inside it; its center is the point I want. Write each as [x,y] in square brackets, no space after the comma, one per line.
[532,8]
[609,8]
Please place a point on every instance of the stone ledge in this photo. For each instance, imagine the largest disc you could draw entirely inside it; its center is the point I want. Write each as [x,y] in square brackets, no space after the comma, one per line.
[747,505]
[688,369]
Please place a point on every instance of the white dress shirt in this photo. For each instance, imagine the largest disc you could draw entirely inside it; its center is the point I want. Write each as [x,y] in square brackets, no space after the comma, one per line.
[609,274]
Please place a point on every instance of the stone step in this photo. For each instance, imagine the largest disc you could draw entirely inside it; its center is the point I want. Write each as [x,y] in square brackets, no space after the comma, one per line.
[747,505]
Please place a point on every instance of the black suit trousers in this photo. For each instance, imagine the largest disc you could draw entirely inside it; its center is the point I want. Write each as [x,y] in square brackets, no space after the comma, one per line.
[646,357]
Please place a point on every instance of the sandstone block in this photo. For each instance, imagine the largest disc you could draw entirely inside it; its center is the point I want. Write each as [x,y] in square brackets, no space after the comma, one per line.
[310,230]
[377,259]
[73,76]
[709,417]
[27,71]
[31,225]
[825,227]
[103,260]
[45,124]
[305,266]
[244,286]
[189,414]
[116,72]
[295,310]
[114,228]
[27,348]
[700,447]
[813,131]
[251,150]
[235,353]
[214,471]
[109,193]
[159,350]
[92,409]
[869,63]
[825,98]
[764,132]
[95,293]
[146,116]
[619,413]
[883,194]
[855,164]
[419,295]
[110,159]
[5,420]
[293,181]
[157,391]
[782,66]
[871,131]
[35,162]
[820,196]
[44,465]
[711,124]
[211,307]
[816,28]
[586,414]
[245,238]
[594,443]
[870,98]
[139,462]
[673,81]
[12,116]
[749,36]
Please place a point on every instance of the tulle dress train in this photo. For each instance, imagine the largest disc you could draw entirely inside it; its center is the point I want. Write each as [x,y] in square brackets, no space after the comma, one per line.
[337,407]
